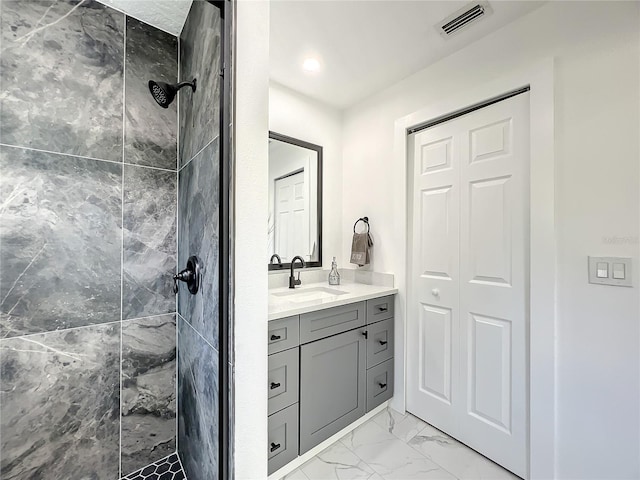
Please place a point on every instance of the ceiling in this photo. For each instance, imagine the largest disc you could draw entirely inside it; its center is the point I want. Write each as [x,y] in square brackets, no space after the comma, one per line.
[365,46]
[167,15]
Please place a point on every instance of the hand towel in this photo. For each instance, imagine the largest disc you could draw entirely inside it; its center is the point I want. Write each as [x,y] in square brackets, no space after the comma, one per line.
[360,246]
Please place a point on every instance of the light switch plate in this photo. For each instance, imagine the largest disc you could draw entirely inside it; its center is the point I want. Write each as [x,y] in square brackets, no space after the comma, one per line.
[595,264]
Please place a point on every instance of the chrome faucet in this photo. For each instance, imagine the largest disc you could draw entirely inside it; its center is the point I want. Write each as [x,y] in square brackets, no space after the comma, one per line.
[277,258]
[292,281]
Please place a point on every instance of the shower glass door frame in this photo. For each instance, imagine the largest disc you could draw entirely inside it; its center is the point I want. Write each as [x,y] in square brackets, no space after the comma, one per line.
[225,391]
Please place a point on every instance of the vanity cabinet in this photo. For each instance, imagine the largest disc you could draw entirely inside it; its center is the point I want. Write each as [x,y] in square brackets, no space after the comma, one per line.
[284,333]
[324,323]
[379,342]
[332,387]
[327,368]
[284,374]
[380,309]
[283,437]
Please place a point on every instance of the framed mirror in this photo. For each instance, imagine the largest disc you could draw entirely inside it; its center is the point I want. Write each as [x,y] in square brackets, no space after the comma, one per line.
[295,202]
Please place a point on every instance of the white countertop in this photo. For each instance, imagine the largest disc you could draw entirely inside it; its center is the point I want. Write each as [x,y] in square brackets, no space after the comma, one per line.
[285,306]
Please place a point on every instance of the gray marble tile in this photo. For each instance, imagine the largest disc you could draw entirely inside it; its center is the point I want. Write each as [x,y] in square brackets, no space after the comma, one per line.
[61,241]
[150,131]
[60,404]
[197,404]
[198,235]
[148,390]
[61,67]
[199,58]
[149,242]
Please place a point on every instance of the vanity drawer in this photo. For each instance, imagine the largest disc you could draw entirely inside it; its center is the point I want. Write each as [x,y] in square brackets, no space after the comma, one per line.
[379,384]
[331,321]
[380,309]
[379,342]
[282,437]
[284,333]
[283,379]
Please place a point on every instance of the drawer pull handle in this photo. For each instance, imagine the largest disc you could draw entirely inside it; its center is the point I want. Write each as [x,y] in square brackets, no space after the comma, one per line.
[365,334]
[382,342]
[274,385]
[382,309]
[274,446]
[275,337]
[382,385]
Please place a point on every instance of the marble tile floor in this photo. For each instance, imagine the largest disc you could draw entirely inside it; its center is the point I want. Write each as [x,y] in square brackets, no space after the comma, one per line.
[392,446]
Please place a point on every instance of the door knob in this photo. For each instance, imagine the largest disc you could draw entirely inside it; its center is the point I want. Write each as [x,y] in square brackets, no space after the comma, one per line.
[190,275]
[435,292]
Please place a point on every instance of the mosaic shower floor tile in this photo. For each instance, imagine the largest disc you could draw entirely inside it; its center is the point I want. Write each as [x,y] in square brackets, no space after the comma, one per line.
[168,468]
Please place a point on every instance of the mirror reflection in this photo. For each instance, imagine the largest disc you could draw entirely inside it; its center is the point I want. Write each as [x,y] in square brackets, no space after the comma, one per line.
[295,201]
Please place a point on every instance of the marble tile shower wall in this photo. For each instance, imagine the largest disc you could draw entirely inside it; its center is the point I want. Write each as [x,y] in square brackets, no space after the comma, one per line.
[198,234]
[88,188]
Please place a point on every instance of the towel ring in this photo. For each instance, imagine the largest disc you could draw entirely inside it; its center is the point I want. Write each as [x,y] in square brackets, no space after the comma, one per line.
[362,219]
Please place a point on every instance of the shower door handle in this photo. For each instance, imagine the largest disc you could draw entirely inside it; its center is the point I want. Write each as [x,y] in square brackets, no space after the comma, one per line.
[190,275]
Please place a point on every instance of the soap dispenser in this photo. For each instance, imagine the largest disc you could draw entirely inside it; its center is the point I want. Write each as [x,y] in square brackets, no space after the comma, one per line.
[334,276]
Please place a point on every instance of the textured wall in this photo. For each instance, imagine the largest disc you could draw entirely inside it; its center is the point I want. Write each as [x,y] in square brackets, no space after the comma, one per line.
[88,242]
[198,203]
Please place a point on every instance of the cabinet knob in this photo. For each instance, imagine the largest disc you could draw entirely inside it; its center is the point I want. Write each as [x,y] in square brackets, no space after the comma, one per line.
[382,385]
[435,292]
[274,385]
[382,309]
[365,334]
[274,446]
[382,342]
[275,337]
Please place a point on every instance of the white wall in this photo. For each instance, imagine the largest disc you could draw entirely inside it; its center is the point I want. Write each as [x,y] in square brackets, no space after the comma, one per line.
[301,117]
[251,132]
[597,123]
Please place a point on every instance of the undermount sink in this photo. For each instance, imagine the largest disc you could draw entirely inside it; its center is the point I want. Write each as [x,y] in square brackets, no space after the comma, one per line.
[308,294]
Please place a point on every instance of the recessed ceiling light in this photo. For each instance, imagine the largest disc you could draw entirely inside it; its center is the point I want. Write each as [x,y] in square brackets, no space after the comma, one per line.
[311,65]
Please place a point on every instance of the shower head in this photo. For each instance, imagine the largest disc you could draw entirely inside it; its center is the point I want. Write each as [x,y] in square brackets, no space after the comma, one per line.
[164,93]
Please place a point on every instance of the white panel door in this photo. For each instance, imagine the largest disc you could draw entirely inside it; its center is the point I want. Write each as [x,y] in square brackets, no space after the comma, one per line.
[489,396]
[434,307]
[292,222]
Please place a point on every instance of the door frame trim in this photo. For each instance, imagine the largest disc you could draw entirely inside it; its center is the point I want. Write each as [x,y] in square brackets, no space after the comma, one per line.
[542,262]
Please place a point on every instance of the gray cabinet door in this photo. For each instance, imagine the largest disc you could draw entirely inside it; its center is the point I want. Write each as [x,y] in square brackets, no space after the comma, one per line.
[380,308]
[379,342]
[379,384]
[332,386]
[331,321]
[283,379]
[284,333]
[283,437]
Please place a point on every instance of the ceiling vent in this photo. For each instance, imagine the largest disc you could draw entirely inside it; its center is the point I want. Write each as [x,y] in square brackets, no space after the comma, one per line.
[463,18]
